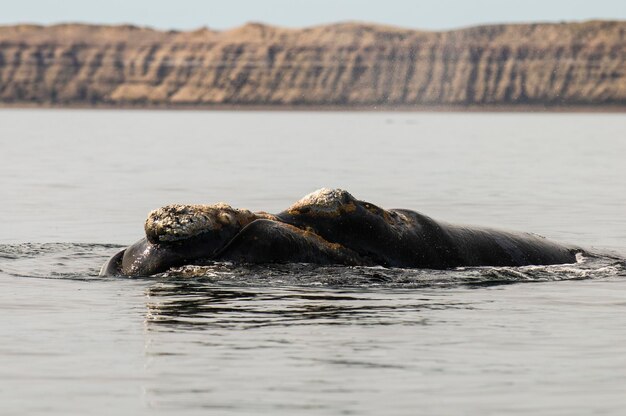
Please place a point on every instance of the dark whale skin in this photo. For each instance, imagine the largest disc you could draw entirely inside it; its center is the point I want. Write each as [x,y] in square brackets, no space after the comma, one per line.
[330,227]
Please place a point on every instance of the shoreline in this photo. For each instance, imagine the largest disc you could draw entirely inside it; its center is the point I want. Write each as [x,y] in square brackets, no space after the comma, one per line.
[530,108]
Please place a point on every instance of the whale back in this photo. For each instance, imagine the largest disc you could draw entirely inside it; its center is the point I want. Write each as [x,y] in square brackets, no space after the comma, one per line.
[479,246]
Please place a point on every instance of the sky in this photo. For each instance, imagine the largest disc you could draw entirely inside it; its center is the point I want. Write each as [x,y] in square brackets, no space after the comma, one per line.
[224,14]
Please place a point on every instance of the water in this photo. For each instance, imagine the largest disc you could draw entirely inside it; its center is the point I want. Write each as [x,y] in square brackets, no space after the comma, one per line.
[300,339]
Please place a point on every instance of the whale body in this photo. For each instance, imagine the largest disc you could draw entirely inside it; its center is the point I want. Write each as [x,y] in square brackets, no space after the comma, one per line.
[328,226]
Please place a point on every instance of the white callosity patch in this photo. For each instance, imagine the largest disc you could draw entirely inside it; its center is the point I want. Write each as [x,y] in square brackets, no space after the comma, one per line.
[323,201]
[177,222]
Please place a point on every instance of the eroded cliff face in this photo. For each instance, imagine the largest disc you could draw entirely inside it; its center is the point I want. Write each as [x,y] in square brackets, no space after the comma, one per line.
[354,64]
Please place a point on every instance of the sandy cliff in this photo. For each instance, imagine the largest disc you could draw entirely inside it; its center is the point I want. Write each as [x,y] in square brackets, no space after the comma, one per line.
[356,64]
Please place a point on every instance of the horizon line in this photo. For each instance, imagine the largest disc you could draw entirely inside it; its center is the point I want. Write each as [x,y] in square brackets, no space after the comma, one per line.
[334,23]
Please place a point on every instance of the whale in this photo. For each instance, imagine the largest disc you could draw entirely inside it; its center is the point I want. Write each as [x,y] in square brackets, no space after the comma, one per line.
[326,227]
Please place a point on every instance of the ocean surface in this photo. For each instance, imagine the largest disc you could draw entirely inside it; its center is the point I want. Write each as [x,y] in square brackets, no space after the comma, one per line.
[300,339]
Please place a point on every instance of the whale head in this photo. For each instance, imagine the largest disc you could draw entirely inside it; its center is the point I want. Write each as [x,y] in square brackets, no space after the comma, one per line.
[179,234]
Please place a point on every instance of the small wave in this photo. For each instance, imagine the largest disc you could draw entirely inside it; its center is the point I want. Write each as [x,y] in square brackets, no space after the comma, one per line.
[83,261]
[341,276]
[54,260]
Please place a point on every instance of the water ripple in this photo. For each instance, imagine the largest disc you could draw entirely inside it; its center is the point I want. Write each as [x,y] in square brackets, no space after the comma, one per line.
[83,261]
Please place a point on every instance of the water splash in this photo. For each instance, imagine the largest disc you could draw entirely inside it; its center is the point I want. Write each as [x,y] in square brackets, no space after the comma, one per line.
[83,261]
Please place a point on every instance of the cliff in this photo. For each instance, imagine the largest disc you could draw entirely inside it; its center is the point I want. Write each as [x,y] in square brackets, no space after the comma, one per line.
[341,64]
